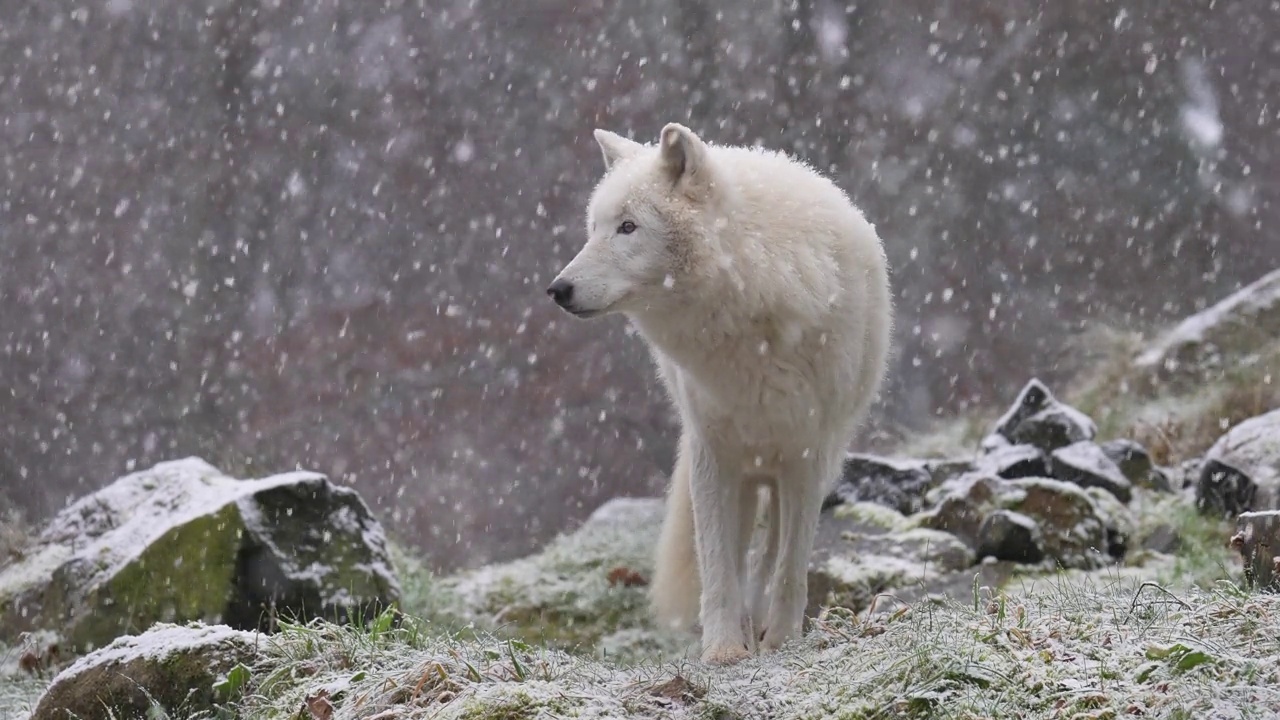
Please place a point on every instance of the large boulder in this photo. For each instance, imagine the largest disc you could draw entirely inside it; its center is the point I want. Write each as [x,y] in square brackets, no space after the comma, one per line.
[1202,347]
[185,670]
[182,541]
[1241,472]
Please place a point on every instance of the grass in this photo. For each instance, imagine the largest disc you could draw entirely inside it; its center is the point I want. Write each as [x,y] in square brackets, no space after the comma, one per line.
[1161,637]
[1100,648]
[562,597]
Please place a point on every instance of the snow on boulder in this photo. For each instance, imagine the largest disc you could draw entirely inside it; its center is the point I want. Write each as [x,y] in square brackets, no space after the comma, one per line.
[182,541]
[1206,344]
[1014,461]
[1241,472]
[186,670]
[1037,418]
[1086,465]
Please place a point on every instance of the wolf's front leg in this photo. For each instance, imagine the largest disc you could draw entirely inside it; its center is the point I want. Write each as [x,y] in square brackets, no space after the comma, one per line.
[800,492]
[716,489]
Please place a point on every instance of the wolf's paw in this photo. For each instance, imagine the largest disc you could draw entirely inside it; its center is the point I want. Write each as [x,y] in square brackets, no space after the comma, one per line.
[727,655]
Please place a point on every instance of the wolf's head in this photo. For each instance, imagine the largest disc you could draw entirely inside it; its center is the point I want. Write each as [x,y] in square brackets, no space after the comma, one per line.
[645,224]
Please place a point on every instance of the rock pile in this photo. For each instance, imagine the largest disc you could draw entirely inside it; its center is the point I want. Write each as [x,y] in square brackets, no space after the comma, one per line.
[1039,490]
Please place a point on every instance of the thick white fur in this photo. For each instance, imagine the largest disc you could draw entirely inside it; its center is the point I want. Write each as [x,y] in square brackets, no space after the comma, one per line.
[763,295]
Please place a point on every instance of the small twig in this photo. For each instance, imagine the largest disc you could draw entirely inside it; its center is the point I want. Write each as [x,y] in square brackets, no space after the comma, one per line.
[1134,605]
[876,601]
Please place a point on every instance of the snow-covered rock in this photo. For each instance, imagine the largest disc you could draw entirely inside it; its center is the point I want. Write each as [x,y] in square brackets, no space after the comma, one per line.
[1207,344]
[176,667]
[1008,535]
[182,541]
[1086,465]
[1241,471]
[1037,418]
[1135,463]
[1013,461]
[892,482]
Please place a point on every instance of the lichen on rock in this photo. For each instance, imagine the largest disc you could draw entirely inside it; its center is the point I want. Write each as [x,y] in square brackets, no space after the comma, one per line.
[181,541]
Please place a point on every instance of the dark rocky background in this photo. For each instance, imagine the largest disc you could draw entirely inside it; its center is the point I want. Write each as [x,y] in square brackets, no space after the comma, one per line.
[277,233]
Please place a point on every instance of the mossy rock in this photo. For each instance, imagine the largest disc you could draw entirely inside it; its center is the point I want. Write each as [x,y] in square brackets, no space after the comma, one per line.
[182,542]
[182,670]
[1073,528]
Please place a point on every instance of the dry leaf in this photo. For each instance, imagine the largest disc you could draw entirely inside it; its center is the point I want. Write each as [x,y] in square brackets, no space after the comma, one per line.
[318,705]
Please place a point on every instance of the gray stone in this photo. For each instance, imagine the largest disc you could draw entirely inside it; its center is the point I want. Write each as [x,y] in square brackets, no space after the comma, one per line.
[1038,418]
[944,470]
[992,443]
[1224,490]
[942,551]
[1086,465]
[182,541]
[1014,461]
[961,506]
[1135,463]
[174,666]
[895,483]
[1072,526]
[1007,535]
[1242,470]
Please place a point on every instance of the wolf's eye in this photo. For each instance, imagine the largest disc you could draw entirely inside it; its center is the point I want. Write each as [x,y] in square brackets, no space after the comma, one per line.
[626,228]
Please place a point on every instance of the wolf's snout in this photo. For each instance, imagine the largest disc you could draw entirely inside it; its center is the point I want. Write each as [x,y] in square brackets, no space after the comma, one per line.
[562,292]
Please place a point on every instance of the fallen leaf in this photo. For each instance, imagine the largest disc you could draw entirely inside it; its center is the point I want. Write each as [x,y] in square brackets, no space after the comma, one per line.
[678,688]
[318,705]
[625,576]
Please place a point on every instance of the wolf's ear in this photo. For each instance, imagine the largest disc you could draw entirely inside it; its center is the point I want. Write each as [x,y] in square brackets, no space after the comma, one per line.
[684,157]
[615,147]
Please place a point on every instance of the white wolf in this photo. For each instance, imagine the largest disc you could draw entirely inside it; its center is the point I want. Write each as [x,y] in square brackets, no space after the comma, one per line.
[763,295]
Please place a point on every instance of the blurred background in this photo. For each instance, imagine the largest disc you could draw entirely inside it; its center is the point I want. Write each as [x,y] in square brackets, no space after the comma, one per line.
[311,233]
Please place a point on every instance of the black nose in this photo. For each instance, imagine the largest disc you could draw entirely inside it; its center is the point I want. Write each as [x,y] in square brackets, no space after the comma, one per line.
[562,292]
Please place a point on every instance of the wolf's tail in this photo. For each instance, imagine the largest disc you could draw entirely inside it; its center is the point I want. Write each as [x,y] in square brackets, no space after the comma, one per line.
[676,589]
